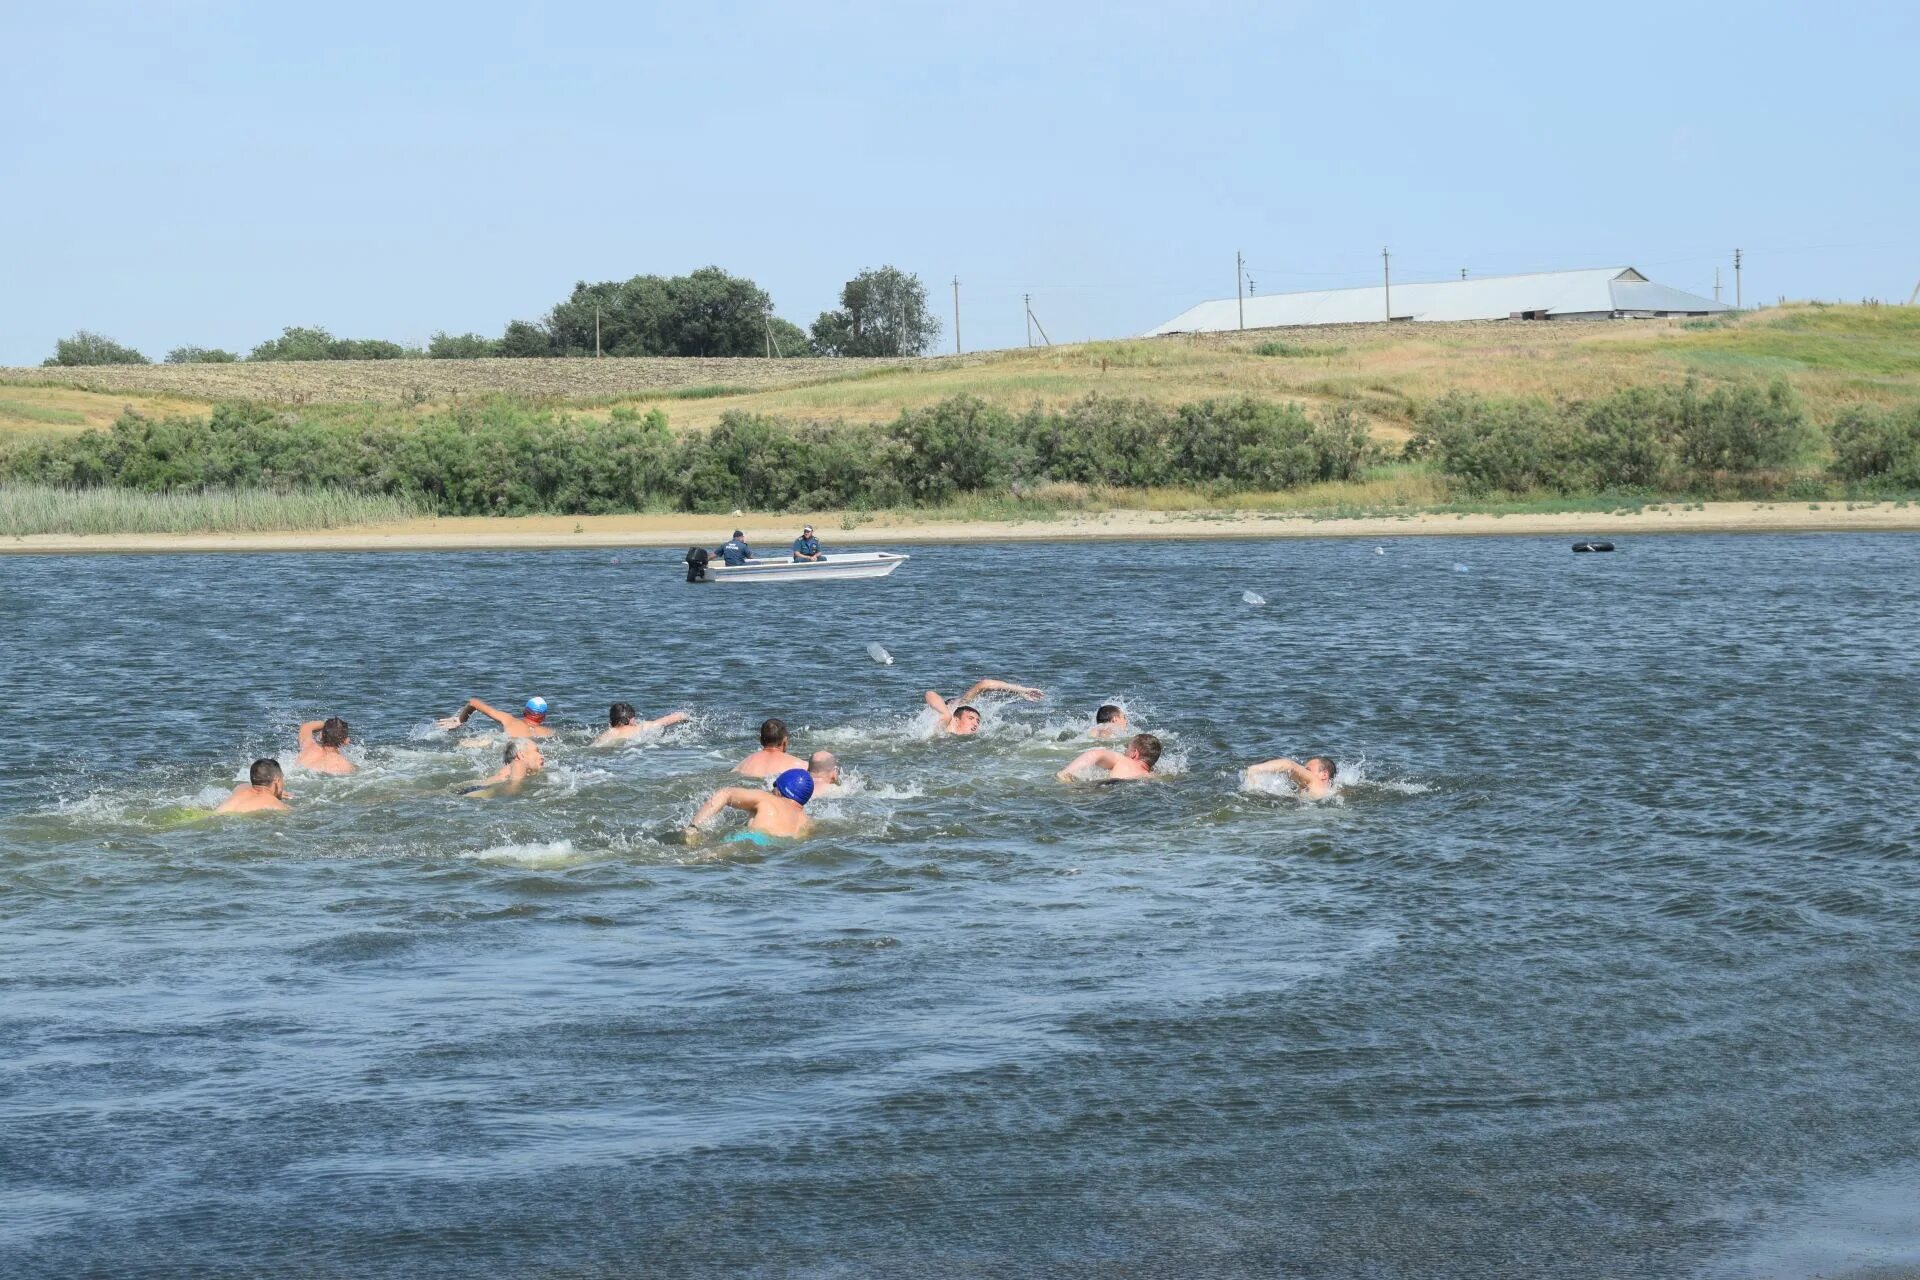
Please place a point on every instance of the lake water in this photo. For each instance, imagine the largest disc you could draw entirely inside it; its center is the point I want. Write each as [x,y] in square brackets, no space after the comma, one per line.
[1603,964]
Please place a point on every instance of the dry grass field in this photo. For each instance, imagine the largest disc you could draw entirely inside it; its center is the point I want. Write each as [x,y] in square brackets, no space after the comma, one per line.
[1833,356]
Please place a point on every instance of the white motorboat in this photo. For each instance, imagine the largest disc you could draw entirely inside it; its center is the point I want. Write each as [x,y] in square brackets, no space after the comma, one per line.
[851,564]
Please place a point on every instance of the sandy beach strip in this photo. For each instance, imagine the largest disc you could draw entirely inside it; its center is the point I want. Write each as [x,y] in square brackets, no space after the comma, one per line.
[773,532]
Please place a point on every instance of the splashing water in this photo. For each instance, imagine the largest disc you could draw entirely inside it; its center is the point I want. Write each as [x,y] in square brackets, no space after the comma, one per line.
[1253,597]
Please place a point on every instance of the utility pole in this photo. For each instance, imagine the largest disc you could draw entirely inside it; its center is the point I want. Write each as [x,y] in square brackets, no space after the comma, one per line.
[1716,284]
[1239,285]
[956,315]
[1253,286]
[1463,273]
[596,333]
[1386,277]
[1026,300]
[1737,303]
[768,325]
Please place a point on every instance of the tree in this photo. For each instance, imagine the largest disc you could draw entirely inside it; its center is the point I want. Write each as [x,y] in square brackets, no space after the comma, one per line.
[200,355]
[789,339]
[705,313]
[295,343]
[882,313]
[525,341]
[463,346]
[87,347]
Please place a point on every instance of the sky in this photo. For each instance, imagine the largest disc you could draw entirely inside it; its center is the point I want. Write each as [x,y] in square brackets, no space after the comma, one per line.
[210,173]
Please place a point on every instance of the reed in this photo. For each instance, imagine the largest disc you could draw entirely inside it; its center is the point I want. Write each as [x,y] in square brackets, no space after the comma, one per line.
[27,509]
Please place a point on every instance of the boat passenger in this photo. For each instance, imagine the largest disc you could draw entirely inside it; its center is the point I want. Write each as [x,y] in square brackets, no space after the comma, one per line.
[778,814]
[320,743]
[772,759]
[531,723]
[1134,763]
[623,722]
[807,547]
[264,791]
[1314,778]
[735,551]
[961,719]
[1110,721]
[521,758]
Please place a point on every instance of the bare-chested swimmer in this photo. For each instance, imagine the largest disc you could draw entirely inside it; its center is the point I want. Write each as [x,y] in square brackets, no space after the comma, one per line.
[1134,763]
[264,791]
[772,759]
[519,761]
[320,743]
[778,814]
[1110,721]
[825,769]
[623,722]
[1314,778]
[531,723]
[960,719]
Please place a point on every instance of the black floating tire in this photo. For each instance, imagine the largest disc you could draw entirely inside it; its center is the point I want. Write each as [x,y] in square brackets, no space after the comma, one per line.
[1593,546]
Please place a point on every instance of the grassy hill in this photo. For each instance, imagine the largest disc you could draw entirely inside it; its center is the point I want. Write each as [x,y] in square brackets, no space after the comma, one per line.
[1833,356]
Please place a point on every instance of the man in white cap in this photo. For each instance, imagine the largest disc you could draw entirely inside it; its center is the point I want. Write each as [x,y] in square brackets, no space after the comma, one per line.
[807,547]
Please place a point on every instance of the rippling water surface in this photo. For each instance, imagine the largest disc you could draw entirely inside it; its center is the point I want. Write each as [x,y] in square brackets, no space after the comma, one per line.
[1604,963]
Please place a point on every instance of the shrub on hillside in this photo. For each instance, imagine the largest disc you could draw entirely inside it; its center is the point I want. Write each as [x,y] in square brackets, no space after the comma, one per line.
[200,355]
[1878,446]
[461,346]
[86,347]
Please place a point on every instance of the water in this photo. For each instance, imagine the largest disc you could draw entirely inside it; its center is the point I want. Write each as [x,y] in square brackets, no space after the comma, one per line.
[1603,964]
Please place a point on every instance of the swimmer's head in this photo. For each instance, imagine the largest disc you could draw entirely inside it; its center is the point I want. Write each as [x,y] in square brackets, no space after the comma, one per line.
[537,710]
[333,733]
[620,713]
[824,768]
[266,772]
[1146,749]
[966,719]
[795,784]
[773,734]
[1322,768]
[521,749]
[1110,718]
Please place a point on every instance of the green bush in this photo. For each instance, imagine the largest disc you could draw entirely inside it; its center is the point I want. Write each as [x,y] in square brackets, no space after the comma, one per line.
[200,355]
[1880,447]
[317,344]
[86,347]
[461,346]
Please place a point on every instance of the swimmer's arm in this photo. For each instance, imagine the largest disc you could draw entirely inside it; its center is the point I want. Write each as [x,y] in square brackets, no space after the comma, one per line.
[672,717]
[727,798]
[939,705]
[1097,756]
[1001,686]
[1293,769]
[310,731]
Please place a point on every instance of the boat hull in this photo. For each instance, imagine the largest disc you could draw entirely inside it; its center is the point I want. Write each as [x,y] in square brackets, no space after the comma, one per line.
[834,568]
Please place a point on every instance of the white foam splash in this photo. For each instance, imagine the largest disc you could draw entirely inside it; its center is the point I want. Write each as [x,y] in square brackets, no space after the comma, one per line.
[553,853]
[1253,597]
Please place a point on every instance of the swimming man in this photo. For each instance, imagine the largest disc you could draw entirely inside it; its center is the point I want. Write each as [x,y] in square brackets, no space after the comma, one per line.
[320,743]
[772,759]
[264,791]
[779,814]
[825,770]
[521,759]
[1131,765]
[622,723]
[1110,721]
[532,723]
[1314,778]
[960,719]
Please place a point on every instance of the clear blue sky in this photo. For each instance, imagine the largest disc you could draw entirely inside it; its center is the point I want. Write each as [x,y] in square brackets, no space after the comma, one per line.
[209,173]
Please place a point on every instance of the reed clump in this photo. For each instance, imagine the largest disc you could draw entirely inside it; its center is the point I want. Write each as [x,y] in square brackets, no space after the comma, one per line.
[27,509]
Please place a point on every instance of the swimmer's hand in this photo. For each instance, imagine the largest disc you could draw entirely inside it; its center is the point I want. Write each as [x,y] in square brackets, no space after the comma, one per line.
[448,722]
[1063,776]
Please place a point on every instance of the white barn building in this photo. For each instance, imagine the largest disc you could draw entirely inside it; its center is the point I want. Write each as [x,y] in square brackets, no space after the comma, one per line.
[1600,293]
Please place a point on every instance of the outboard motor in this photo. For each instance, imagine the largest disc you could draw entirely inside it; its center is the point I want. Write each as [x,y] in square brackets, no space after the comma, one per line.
[697,558]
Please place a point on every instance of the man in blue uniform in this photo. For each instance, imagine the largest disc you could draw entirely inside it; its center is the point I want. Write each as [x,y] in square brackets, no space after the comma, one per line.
[807,547]
[734,551]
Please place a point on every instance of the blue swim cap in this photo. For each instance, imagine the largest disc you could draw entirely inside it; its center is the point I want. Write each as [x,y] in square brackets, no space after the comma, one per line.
[795,784]
[537,705]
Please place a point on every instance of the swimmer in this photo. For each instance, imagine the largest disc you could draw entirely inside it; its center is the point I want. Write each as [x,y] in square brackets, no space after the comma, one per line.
[960,719]
[320,743]
[778,814]
[264,791]
[1314,778]
[1131,765]
[521,758]
[772,759]
[623,724]
[1109,721]
[825,770]
[532,723]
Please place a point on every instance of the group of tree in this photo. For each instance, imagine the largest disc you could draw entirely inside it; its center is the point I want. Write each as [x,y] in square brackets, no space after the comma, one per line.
[882,312]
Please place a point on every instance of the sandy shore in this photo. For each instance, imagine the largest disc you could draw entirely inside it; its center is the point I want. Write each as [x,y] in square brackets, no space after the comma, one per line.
[539,533]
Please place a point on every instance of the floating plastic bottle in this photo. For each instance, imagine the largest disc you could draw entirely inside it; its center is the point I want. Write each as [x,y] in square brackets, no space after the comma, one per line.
[1253,597]
[879,655]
